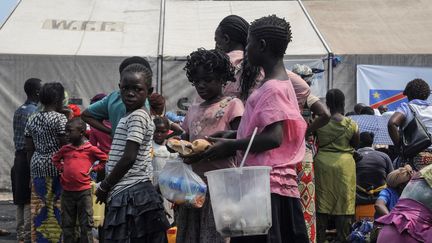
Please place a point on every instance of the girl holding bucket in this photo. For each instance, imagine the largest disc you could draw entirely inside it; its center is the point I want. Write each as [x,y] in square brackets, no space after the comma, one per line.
[208,71]
[274,110]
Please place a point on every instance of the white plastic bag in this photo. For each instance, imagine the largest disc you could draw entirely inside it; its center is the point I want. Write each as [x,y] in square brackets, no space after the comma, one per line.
[180,185]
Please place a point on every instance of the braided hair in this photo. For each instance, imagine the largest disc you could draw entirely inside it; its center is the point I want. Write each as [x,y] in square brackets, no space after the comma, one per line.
[214,62]
[237,29]
[335,100]
[133,60]
[275,31]
[52,94]
[417,89]
[136,68]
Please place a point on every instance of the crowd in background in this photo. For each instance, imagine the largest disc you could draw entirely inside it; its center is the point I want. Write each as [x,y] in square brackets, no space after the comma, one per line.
[323,167]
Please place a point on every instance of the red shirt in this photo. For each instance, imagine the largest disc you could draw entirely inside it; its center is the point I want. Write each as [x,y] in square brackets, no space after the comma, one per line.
[75,162]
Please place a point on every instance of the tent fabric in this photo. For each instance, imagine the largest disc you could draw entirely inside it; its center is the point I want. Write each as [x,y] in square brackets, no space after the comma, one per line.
[385,32]
[374,27]
[80,43]
[112,28]
[191,24]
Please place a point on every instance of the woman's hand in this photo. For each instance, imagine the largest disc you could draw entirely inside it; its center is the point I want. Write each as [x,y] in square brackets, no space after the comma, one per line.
[192,159]
[224,134]
[101,196]
[221,148]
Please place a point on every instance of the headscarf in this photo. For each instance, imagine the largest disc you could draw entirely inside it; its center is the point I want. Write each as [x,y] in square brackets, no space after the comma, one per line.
[76,111]
[97,98]
[399,176]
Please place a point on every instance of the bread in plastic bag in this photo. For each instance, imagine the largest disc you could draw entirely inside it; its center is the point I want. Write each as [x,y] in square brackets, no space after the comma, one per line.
[180,185]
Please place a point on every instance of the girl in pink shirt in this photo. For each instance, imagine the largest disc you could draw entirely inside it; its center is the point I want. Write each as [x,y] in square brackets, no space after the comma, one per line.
[273,109]
[231,37]
[208,71]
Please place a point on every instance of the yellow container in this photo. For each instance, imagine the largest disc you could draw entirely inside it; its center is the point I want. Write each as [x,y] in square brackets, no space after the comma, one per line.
[172,234]
[98,209]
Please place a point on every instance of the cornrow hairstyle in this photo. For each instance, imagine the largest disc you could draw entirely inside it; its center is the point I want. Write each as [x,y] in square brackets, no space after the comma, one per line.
[31,85]
[79,121]
[145,71]
[133,60]
[214,62]
[335,100]
[51,94]
[161,120]
[236,28]
[417,89]
[275,31]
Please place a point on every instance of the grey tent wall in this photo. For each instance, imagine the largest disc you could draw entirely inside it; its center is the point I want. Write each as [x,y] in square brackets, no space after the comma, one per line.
[82,76]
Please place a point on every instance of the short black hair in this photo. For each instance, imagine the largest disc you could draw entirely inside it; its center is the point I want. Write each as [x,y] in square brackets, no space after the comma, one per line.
[214,62]
[417,89]
[145,71]
[358,107]
[79,122]
[367,110]
[161,120]
[335,100]
[236,28]
[52,94]
[275,31]
[366,139]
[133,60]
[31,86]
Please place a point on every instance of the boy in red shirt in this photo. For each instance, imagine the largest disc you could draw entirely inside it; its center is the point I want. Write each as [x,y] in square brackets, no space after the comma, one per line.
[75,161]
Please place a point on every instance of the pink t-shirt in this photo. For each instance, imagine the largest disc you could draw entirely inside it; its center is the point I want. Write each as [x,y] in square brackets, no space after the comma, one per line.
[301,88]
[233,88]
[201,121]
[276,101]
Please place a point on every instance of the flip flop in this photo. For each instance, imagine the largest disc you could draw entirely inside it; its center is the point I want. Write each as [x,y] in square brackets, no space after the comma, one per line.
[4,232]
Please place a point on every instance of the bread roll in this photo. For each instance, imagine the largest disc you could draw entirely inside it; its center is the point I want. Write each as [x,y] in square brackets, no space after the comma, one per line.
[182,147]
[200,145]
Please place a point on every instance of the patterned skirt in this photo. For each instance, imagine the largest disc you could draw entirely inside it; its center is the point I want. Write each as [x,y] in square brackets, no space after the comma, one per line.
[197,225]
[306,182]
[45,210]
[422,160]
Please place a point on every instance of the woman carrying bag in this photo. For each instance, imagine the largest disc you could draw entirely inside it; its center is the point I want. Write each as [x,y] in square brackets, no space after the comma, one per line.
[411,125]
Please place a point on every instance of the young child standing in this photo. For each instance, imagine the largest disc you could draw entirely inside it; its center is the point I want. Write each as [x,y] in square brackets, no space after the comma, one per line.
[208,71]
[75,161]
[134,212]
[273,109]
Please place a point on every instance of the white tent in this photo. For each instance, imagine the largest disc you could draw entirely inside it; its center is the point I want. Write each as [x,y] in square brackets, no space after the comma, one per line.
[81,43]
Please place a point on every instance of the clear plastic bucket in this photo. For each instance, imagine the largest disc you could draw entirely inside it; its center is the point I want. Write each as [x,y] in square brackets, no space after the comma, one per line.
[240,200]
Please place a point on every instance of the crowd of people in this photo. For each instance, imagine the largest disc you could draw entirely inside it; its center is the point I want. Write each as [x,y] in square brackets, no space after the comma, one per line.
[242,84]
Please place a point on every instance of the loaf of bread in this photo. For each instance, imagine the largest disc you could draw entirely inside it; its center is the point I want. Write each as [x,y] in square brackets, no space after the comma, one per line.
[182,147]
[200,145]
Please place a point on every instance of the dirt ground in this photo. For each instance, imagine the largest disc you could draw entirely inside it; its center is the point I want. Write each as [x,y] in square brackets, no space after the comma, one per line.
[7,217]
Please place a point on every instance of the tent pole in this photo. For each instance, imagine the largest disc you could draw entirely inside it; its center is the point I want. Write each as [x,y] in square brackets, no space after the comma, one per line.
[160,50]
[330,54]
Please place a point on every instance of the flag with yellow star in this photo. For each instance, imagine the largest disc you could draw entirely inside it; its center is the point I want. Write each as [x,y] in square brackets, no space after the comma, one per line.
[390,98]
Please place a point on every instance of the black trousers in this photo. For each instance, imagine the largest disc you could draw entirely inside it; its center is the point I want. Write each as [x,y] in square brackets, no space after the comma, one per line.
[288,224]
[20,178]
[77,207]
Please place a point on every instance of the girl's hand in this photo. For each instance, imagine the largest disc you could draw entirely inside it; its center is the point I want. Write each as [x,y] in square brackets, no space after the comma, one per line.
[224,134]
[221,148]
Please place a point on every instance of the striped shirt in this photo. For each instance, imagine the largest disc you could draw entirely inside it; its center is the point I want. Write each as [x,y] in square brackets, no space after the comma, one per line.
[136,127]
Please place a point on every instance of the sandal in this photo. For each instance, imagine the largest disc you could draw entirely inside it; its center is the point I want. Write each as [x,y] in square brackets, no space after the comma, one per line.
[4,232]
